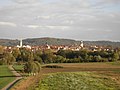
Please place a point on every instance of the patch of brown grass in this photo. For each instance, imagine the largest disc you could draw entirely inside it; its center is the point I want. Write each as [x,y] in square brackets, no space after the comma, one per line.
[27,82]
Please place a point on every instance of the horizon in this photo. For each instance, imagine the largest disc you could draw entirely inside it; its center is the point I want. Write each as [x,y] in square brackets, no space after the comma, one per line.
[87,20]
[56,38]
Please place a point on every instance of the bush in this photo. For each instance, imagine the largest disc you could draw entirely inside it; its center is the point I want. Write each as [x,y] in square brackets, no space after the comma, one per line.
[1,62]
[32,67]
[52,66]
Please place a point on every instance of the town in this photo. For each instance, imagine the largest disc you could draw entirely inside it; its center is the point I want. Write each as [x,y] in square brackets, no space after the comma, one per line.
[55,48]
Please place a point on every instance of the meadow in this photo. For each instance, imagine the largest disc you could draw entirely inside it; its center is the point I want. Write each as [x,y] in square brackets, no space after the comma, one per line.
[6,76]
[77,81]
[95,76]
[19,68]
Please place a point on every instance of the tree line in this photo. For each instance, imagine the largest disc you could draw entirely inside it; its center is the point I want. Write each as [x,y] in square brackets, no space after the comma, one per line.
[24,55]
[33,59]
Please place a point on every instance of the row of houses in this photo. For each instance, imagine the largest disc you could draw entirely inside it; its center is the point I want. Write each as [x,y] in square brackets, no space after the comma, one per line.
[58,47]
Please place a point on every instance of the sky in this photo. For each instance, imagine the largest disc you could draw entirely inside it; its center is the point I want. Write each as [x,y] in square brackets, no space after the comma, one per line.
[70,19]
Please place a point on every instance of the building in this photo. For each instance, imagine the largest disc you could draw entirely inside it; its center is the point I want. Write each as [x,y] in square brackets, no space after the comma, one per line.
[21,44]
[81,44]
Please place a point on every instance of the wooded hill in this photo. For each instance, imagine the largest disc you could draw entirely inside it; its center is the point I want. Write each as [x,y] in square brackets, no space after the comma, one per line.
[55,41]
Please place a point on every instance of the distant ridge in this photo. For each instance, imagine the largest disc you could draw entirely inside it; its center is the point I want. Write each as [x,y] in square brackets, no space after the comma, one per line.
[8,42]
[55,41]
[50,41]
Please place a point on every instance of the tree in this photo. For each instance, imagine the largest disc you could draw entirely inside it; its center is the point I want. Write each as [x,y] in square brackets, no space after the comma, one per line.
[9,58]
[30,57]
[32,67]
[1,50]
[25,55]
[62,53]
[90,58]
[16,52]
[37,58]
[115,56]
[38,66]
[47,56]
[59,59]
[97,58]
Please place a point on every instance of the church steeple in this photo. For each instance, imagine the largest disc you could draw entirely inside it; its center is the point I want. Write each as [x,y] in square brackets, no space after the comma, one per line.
[21,44]
[81,43]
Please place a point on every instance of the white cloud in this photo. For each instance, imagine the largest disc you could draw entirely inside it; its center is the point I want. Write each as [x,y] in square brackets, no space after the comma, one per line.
[33,26]
[58,27]
[8,24]
[48,27]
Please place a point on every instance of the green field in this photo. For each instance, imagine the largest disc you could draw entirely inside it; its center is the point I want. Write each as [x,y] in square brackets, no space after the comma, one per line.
[6,76]
[18,68]
[77,81]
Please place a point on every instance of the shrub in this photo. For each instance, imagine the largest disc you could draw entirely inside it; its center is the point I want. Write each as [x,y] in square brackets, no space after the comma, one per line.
[52,66]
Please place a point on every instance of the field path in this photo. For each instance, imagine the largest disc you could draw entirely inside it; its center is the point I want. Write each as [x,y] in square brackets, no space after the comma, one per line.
[17,75]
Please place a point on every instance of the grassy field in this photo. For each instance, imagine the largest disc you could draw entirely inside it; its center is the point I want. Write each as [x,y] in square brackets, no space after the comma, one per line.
[6,76]
[18,68]
[105,74]
[77,81]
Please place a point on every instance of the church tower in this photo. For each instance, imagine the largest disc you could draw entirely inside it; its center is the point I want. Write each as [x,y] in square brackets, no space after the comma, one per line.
[21,44]
[81,43]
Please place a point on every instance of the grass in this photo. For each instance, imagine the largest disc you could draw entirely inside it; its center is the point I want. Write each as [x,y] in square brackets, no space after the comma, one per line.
[115,63]
[96,76]
[77,81]
[18,68]
[6,76]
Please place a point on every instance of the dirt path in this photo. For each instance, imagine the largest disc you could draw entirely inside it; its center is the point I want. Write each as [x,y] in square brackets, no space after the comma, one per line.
[17,75]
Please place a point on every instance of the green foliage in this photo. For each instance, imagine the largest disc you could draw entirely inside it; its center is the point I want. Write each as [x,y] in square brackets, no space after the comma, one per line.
[10,59]
[32,67]
[88,56]
[52,66]
[7,59]
[115,56]
[38,66]
[1,50]
[77,81]
[1,61]
[59,59]
[37,58]
[25,55]
[16,52]
[115,63]
[47,56]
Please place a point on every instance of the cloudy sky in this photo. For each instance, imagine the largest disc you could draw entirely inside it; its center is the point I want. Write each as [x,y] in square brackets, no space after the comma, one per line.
[73,19]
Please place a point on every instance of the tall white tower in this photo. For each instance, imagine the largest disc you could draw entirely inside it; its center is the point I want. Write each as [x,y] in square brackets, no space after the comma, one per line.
[21,43]
[81,44]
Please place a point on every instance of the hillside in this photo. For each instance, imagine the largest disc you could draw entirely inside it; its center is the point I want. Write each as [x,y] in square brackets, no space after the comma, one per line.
[8,42]
[55,41]
[50,41]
